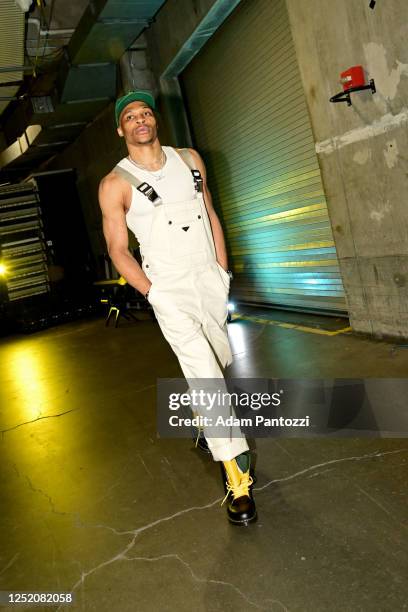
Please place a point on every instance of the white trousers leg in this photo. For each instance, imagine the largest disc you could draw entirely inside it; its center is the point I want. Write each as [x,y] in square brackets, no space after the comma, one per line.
[190,312]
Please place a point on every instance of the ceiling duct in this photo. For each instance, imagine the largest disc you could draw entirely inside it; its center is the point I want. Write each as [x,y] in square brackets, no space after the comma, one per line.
[86,79]
[108,28]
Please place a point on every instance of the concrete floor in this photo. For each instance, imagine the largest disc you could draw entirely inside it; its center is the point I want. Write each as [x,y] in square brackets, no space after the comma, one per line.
[93,503]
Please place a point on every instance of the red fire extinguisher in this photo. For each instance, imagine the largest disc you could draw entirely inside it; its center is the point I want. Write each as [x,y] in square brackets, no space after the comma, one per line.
[352,80]
[353,77]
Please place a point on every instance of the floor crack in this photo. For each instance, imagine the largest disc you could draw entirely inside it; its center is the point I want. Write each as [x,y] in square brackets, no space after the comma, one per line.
[48,416]
[203,580]
[331,462]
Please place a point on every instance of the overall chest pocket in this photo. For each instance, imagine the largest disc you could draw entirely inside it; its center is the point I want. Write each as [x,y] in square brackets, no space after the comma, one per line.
[185,228]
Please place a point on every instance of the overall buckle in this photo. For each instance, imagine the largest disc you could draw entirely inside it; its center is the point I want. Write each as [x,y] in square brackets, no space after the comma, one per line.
[198,180]
[150,193]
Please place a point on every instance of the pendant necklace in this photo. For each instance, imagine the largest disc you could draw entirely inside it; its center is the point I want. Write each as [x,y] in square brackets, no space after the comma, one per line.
[163,159]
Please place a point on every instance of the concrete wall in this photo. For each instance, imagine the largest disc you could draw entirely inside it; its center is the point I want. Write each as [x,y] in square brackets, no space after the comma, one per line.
[362,149]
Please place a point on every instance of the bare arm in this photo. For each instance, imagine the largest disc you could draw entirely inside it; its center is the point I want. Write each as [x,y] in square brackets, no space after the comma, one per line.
[111,201]
[216,226]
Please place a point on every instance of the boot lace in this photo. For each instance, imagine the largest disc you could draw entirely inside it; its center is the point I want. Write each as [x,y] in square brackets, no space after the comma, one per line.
[200,429]
[239,490]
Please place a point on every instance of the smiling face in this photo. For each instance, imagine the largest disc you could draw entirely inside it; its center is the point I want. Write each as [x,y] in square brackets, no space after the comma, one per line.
[137,124]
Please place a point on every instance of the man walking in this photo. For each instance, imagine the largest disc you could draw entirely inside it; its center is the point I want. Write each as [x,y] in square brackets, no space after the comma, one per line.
[160,194]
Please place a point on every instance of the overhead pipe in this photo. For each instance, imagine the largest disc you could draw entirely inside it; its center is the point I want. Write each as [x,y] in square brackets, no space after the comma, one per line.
[51,32]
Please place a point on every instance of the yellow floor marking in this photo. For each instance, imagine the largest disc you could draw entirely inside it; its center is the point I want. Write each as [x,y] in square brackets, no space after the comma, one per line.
[304,328]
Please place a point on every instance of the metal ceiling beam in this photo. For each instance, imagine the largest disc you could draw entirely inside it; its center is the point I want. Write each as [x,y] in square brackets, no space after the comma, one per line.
[217,14]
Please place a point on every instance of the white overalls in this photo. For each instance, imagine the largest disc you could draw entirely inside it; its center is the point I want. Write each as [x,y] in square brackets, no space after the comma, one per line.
[189,291]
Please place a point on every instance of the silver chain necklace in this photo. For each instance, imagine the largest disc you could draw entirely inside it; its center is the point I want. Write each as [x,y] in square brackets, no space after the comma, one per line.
[163,159]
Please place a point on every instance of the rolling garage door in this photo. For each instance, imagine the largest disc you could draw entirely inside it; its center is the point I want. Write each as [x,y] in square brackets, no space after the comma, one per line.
[249,121]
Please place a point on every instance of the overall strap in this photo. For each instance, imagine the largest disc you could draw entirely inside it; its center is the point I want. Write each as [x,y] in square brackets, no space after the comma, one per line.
[144,188]
[189,160]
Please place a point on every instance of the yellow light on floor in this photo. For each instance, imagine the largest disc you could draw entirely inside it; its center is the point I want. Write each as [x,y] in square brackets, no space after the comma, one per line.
[3,269]
[32,389]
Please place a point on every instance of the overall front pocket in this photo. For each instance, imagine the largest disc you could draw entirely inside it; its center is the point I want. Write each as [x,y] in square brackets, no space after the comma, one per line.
[224,275]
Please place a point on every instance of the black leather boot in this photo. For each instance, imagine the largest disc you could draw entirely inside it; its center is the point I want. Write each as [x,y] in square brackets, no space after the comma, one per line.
[238,482]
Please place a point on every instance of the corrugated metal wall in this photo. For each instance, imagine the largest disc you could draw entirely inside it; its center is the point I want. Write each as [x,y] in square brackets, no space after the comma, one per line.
[250,122]
[11,47]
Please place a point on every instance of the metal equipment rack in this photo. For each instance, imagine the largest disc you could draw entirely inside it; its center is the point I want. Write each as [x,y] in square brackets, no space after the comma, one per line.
[22,244]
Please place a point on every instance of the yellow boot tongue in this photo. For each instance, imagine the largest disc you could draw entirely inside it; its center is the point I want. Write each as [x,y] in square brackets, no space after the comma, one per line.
[243,462]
